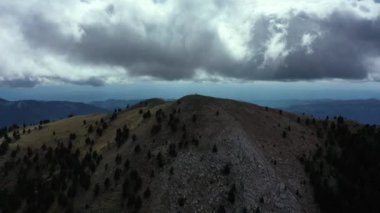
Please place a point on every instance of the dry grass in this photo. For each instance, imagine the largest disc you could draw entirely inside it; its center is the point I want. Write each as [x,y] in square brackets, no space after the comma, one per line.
[247,136]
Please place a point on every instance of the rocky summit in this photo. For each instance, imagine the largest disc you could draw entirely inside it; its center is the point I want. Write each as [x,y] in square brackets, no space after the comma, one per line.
[194,154]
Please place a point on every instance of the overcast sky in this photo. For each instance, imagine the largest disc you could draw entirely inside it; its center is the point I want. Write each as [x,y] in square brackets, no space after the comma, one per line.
[101,43]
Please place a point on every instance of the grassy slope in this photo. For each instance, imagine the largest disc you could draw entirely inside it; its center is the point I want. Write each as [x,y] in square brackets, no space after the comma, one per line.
[264,164]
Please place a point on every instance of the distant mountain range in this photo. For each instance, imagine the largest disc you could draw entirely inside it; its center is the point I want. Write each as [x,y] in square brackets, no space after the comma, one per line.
[363,111]
[31,111]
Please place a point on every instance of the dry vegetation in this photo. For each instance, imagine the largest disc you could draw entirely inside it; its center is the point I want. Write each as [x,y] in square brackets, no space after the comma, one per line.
[197,154]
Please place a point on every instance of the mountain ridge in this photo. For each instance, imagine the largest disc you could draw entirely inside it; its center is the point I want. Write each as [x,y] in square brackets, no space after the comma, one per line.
[111,104]
[218,146]
[194,154]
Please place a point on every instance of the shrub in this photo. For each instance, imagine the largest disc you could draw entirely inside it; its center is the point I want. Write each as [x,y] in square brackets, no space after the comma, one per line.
[194,118]
[226,169]
[72,190]
[160,115]
[90,129]
[138,184]
[181,201]
[131,201]
[99,131]
[147,192]
[62,200]
[173,122]
[137,149]
[231,194]
[155,129]
[121,135]
[214,149]
[221,209]
[195,141]
[73,136]
[16,135]
[4,147]
[274,162]
[85,180]
[307,121]
[138,202]
[126,165]
[29,152]
[172,150]
[107,183]
[160,160]
[14,153]
[118,159]
[134,175]
[257,210]
[96,190]
[114,115]
[147,115]
[284,134]
[117,174]
[88,141]
[125,187]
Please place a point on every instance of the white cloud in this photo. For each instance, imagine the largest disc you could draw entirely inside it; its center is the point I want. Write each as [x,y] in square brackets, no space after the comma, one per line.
[307,41]
[122,40]
[373,65]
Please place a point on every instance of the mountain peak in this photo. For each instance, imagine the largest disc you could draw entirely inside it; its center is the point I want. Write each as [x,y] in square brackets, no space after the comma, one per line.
[196,154]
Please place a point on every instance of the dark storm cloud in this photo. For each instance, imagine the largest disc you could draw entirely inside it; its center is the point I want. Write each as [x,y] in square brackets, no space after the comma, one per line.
[40,32]
[339,53]
[91,81]
[147,56]
[19,82]
[288,46]
[31,82]
[121,46]
[342,43]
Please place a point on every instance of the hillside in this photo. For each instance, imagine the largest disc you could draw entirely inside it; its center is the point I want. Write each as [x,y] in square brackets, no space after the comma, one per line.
[31,111]
[112,104]
[196,154]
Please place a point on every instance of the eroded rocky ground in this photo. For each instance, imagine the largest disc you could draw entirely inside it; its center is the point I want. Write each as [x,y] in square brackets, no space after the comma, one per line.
[197,154]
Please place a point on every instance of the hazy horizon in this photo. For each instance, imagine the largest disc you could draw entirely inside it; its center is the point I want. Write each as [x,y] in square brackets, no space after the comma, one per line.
[246,91]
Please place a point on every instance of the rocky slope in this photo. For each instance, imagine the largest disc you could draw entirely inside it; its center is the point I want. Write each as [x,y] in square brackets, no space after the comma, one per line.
[196,154]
